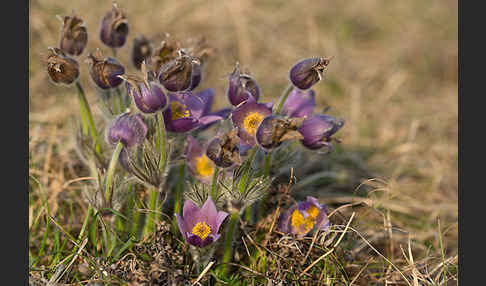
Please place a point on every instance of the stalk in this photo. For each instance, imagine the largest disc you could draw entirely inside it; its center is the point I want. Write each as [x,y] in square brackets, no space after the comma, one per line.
[230,234]
[214,184]
[162,140]
[87,117]
[151,217]
[111,171]
[284,97]
[178,194]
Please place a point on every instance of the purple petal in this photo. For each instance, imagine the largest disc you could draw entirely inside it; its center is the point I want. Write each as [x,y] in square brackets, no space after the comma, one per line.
[209,213]
[181,225]
[322,220]
[219,220]
[191,214]
[179,125]
[299,103]
[195,105]
[194,239]
[209,119]
[194,151]
[207,96]
[239,115]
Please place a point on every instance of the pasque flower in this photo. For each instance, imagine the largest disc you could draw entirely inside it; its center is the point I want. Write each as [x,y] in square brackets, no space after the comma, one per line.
[247,117]
[200,227]
[141,51]
[303,217]
[74,35]
[105,72]
[149,96]
[308,72]
[198,163]
[317,130]
[275,129]
[130,129]
[114,28]
[176,75]
[299,103]
[224,150]
[61,68]
[241,87]
[188,111]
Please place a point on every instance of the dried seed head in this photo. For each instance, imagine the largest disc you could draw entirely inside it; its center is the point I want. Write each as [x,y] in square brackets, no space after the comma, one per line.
[105,72]
[61,68]
[308,72]
[275,129]
[141,51]
[163,54]
[176,75]
[224,151]
[74,35]
[114,28]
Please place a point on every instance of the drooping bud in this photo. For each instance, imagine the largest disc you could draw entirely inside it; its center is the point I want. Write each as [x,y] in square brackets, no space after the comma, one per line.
[318,129]
[148,95]
[223,150]
[308,72]
[276,129]
[105,72]
[61,68]
[74,35]
[114,28]
[176,75]
[130,129]
[241,87]
[141,51]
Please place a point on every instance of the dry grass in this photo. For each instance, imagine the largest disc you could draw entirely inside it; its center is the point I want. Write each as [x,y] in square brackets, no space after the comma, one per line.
[393,78]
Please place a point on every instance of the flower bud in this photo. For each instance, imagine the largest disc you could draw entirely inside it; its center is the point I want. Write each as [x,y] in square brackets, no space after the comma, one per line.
[318,129]
[114,28]
[176,75]
[308,72]
[105,71]
[196,75]
[148,95]
[275,129]
[223,150]
[74,35]
[127,128]
[241,87]
[61,68]
[141,51]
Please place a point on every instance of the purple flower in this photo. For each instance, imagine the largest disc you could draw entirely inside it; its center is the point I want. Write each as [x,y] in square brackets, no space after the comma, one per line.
[198,163]
[303,217]
[187,112]
[61,68]
[200,226]
[74,36]
[247,118]
[275,129]
[299,103]
[317,130]
[241,87]
[128,128]
[114,28]
[308,72]
[148,95]
[105,72]
[176,75]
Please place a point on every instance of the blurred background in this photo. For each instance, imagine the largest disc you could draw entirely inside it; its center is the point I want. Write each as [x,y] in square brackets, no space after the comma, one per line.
[393,79]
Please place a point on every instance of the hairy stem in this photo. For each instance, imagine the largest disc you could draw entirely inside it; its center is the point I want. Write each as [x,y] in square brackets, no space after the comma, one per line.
[214,184]
[230,234]
[152,215]
[87,117]
[178,193]
[283,98]
[111,171]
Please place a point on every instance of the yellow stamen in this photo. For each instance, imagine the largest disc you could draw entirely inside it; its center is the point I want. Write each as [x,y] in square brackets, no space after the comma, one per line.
[201,229]
[252,121]
[304,225]
[179,110]
[204,166]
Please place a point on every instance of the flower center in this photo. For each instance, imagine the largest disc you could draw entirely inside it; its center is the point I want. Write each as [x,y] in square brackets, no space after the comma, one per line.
[201,229]
[252,121]
[304,225]
[204,166]
[179,110]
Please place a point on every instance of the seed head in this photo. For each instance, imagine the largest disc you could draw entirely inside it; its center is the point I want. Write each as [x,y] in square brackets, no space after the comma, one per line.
[114,28]
[105,72]
[74,35]
[61,68]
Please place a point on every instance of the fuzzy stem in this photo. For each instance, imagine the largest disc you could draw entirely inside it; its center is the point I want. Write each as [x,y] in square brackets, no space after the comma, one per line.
[230,235]
[162,140]
[119,99]
[178,194]
[244,177]
[152,216]
[111,171]
[87,117]
[284,97]
[214,184]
